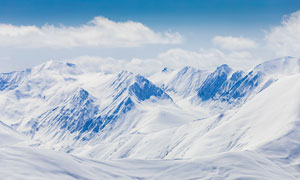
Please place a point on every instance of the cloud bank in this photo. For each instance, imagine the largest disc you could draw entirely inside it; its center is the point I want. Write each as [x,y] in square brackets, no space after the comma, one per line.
[238,52]
[233,43]
[100,32]
[205,59]
[284,40]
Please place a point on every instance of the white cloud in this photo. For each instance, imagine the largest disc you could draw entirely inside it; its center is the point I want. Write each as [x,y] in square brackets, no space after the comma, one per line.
[205,59]
[112,65]
[100,32]
[233,43]
[284,40]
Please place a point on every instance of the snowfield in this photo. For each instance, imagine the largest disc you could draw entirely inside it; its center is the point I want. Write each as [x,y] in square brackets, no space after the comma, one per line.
[37,163]
[60,122]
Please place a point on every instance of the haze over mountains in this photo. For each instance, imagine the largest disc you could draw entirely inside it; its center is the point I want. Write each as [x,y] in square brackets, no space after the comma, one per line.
[60,121]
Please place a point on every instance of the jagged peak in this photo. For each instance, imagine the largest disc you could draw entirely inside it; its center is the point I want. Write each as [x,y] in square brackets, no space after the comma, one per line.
[58,66]
[78,96]
[237,74]
[143,89]
[122,79]
[135,85]
[125,73]
[139,78]
[81,93]
[187,69]
[12,79]
[124,76]
[166,69]
[26,71]
[223,68]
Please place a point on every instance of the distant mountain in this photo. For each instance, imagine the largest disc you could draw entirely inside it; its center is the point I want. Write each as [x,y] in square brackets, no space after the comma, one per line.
[71,113]
[224,88]
[183,82]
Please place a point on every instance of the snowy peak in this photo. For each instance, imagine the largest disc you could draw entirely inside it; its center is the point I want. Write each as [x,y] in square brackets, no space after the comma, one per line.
[188,71]
[182,82]
[223,69]
[48,70]
[143,89]
[127,83]
[282,66]
[57,67]
[214,82]
[166,69]
[123,79]
[73,115]
[11,80]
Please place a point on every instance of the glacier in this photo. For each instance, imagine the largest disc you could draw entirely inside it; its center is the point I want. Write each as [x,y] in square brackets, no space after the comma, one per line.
[61,121]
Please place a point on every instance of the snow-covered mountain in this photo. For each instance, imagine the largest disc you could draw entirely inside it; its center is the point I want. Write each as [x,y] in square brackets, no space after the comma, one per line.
[59,108]
[224,88]
[175,124]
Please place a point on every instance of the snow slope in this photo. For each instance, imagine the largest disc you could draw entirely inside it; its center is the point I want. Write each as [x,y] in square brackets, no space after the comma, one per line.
[9,136]
[36,163]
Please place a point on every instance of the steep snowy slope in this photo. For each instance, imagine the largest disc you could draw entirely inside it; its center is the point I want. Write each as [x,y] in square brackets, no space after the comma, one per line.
[270,115]
[18,162]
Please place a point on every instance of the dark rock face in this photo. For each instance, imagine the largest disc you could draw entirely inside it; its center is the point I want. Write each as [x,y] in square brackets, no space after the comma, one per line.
[143,89]
[213,83]
[219,85]
[243,86]
[78,113]
[11,80]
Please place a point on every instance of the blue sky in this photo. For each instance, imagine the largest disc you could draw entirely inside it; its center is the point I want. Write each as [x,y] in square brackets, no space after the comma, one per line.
[153,13]
[244,17]
[197,21]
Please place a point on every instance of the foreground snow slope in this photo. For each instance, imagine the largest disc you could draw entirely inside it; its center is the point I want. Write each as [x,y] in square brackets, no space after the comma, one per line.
[37,163]
[9,136]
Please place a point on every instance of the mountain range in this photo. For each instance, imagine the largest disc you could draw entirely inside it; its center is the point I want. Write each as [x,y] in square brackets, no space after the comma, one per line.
[61,121]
